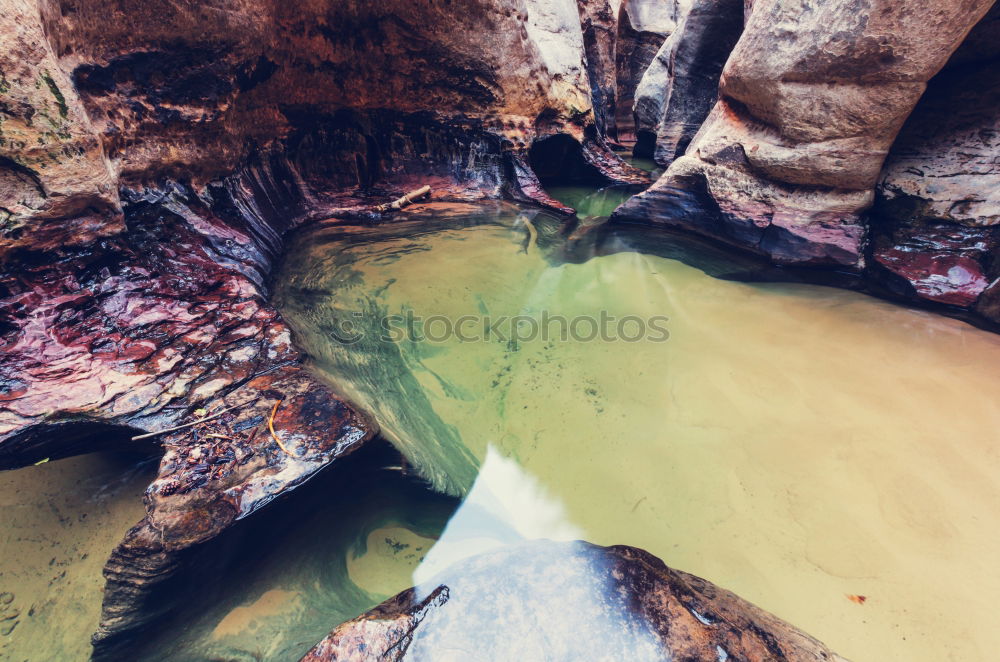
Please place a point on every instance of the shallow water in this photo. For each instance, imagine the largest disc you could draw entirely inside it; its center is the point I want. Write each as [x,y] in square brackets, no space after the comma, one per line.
[649,165]
[798,445]
[59,522]
[275,586]
[590,205]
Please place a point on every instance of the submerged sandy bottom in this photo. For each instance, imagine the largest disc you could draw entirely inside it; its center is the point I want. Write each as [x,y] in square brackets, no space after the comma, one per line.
[798,445]
[59,522]
[275,585]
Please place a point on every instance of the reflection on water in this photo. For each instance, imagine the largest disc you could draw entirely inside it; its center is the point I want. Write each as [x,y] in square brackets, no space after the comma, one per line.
[536,601]
[59,522]
[505,506]
[590,205]
[649,165]
[795,444]
[269,590]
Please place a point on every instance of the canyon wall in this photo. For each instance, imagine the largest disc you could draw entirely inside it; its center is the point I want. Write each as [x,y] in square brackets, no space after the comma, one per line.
[937,206]
[100,95]
[810,101]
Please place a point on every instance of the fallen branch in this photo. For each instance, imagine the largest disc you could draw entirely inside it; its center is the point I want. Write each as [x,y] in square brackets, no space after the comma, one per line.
[406,199]
[274,435]
[188,425]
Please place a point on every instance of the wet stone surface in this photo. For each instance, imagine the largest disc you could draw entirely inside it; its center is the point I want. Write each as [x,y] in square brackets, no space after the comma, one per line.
[567,601]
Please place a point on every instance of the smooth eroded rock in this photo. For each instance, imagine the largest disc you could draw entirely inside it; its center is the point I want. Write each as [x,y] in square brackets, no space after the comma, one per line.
[681,85]
[567,601]
[811,99]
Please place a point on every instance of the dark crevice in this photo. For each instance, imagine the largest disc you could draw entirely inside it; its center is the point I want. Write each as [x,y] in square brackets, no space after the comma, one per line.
[645,144]
[55,440]
[301,523]
[559,160]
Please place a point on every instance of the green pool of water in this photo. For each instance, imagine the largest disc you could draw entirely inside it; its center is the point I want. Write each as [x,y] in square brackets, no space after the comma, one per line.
[649,165]
[795,444]
[590,205]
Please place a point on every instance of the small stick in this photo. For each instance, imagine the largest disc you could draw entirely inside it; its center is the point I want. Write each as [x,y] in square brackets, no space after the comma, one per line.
[274,435]
[406,199]
[188,425]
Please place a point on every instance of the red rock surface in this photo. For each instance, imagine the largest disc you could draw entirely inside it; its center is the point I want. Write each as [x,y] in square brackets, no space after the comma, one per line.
[943,264]
[155,328]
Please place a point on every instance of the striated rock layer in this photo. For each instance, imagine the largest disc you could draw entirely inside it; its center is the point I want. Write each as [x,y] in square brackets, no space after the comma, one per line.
[153,155]
[100,94]
[140,332]
[567,601]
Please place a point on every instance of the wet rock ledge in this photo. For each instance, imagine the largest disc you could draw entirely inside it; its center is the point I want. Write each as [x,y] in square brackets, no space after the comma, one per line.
[567,601]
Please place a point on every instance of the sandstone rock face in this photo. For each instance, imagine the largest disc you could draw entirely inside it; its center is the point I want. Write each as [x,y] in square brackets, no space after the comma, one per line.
[52,165]
[618,37]
[567,601]
[139,332]
[553,26]
[944,166]
[107,93]
[642,28]
[810,101]
[939,195]
[599,22]
[680,86]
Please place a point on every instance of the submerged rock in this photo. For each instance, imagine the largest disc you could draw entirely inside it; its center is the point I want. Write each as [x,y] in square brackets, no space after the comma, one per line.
[568,601]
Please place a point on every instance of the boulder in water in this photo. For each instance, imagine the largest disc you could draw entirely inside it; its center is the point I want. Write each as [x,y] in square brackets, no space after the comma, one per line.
[548,600]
